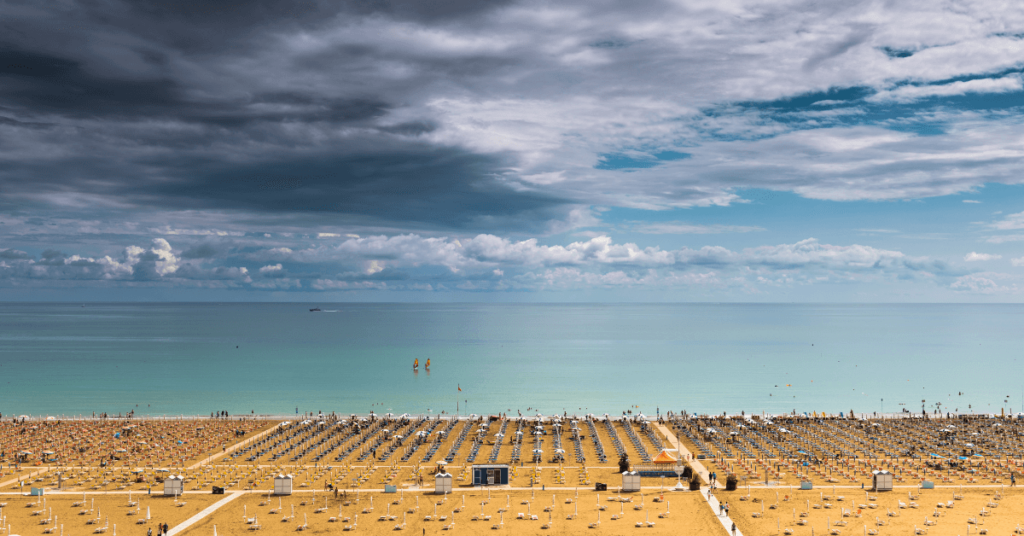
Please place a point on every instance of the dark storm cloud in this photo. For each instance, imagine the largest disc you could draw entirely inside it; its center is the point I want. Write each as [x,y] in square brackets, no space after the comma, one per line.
[446,187]
[37,83]
[205,250]
[42,83]
[14,254]
[129,100]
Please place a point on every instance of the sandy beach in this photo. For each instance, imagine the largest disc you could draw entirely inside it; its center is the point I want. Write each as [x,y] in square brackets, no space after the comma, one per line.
[340,466]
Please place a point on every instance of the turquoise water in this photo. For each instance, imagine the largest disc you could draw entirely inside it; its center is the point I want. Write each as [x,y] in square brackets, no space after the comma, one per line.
[169,359]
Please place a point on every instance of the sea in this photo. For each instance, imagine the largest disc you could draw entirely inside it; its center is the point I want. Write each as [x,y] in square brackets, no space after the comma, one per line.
[173,359]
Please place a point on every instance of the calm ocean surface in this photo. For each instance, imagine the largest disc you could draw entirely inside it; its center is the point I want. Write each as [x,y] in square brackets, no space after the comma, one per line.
[169,359]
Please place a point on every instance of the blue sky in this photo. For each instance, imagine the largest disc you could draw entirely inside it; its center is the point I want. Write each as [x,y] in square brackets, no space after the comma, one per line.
[513,151]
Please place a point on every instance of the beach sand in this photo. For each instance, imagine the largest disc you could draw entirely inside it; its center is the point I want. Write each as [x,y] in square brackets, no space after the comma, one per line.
[829,452]
[1002,519]
[112,508]
[689,514]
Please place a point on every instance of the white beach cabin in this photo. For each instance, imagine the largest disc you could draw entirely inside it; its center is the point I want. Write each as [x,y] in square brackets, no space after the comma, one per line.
[881,480]
[283,485]
[442,483]
[630,481]
[174,485]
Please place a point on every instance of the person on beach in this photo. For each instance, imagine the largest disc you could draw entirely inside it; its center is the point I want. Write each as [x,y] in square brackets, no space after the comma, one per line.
[734,528]
[1013,480]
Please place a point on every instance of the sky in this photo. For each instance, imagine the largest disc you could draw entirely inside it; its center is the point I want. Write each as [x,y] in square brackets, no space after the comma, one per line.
[379,150]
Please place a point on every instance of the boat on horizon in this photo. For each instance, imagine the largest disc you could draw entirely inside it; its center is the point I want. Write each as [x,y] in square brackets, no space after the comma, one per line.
[315,310]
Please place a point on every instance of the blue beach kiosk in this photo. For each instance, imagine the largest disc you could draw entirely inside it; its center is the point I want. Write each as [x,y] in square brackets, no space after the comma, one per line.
[490,475]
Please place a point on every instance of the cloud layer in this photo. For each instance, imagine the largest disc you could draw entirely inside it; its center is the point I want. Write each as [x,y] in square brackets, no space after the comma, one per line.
[461,136]
[483,262]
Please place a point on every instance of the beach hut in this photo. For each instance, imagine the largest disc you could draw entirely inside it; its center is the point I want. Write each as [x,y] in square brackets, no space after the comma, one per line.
[283,485]
[630,481]
[881,480]
[490,475]
[442,483]
[173,485]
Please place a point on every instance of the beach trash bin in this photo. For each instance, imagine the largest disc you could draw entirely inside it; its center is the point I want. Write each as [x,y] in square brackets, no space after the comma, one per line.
[218,490]
[806,485]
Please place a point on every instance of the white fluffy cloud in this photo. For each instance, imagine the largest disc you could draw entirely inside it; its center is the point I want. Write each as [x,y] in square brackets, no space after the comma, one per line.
[136,264]
[983,85]
[1010,222]
[978,257]
[487,251]
[474,263]
[985,283]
